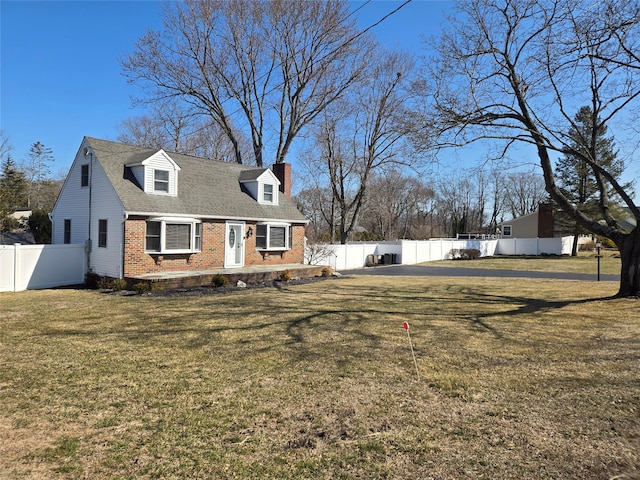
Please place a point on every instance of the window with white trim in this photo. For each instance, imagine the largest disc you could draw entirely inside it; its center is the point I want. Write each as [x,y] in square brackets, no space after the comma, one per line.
[273,236]
[67,230]
[506,230]
[161,181]
[267,193]
[173,236]
[84,175]
[102,233]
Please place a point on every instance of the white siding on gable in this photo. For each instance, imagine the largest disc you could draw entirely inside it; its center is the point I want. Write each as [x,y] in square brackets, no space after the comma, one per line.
[106,206]
[268,196]
[256,188]
[74,204]
[160,161]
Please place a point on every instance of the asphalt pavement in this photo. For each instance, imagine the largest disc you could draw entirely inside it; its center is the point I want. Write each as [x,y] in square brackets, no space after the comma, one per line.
[427,271]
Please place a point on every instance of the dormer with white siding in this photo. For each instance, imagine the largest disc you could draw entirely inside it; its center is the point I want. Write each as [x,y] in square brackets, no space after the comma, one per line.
[262,185]
[157,174]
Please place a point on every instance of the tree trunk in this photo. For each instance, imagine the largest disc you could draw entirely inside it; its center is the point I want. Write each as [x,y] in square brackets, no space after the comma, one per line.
[574,247]
[629,246]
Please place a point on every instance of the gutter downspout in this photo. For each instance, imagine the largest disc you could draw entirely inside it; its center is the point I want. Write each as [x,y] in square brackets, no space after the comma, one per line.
[124,230]
[88,246]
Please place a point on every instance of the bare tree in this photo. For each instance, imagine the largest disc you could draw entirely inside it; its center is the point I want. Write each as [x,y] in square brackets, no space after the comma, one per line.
[5,146]
[266,68]
[172,127]
[461,201]
[361,135]
[394,211]
[316,204]
[515,72]
[523,192]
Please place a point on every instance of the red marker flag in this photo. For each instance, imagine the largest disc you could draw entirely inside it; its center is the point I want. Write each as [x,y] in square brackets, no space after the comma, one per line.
[406,327]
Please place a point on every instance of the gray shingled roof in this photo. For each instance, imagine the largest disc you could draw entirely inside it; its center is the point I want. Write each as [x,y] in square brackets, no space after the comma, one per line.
[206,188]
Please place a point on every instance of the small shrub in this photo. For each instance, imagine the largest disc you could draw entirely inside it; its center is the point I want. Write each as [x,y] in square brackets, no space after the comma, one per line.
[326,272]
[589,246]
[472,253]
[141,287]
[285,276]
[119,284]
[219,280]
[464,254]
[104,283]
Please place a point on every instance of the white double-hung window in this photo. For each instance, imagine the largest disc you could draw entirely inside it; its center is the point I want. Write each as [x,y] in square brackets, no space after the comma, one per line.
[273,236]
[173,235]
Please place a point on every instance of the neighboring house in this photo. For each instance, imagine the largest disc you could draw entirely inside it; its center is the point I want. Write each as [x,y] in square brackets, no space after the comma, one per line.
[628,223]
[22,215]
[547,222]
[140,210]
[539,224]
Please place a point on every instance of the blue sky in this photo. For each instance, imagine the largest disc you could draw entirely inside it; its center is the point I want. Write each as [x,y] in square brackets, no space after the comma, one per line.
[60,78]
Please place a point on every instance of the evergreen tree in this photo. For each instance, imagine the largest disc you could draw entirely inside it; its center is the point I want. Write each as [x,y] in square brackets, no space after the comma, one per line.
[40,226]
[38,172]
[576,178]
[13,193]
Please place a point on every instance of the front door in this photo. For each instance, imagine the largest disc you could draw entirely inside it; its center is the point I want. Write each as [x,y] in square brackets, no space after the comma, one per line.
[234,246]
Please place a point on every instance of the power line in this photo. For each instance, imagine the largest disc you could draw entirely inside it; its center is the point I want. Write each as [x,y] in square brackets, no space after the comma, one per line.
[321,59]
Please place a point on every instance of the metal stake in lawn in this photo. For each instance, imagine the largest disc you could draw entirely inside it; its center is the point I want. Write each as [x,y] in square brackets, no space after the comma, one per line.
[406,327]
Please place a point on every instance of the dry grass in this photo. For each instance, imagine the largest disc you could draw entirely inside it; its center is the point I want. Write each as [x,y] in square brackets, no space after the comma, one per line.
[518,379]
[585,262]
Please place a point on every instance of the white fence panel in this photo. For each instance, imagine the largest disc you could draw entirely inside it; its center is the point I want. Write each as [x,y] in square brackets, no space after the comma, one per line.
[411,252]
[517,246]
[7,268]
[555,246]
[534,246]
[41,266]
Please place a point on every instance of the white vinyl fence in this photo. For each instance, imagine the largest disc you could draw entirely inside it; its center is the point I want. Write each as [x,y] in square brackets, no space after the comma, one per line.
[29,267]
[411,252]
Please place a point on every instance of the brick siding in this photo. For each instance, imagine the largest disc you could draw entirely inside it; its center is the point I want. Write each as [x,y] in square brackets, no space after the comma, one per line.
[137,262]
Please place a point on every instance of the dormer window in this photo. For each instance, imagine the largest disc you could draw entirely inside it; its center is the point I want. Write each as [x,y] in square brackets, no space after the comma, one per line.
[261,184]
[267,195]
[161,181]
[157,174]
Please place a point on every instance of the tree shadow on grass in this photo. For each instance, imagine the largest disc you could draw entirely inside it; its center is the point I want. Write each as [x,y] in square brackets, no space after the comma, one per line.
[524,306]
[343,314]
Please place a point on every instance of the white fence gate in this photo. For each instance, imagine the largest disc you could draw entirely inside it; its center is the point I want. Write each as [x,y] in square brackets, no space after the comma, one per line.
[411,252]
[29,267]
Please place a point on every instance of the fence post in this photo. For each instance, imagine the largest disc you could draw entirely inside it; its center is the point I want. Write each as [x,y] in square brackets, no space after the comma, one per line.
[15,266]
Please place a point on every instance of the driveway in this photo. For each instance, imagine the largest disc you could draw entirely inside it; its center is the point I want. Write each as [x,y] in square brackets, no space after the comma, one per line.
[427,271]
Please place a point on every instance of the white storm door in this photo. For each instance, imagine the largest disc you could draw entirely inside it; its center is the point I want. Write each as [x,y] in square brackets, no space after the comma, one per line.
[234,245]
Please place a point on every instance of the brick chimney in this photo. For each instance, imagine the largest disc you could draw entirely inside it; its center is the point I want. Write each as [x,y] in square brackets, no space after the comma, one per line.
[282,172]
[545,220]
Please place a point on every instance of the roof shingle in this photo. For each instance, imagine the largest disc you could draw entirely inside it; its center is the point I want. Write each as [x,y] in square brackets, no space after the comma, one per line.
[206,188]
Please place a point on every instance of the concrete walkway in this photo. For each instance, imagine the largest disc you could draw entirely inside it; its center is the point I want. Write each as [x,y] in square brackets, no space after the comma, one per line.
[427,271]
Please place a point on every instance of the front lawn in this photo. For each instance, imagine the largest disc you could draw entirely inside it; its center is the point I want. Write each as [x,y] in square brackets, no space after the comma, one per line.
[518,378]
